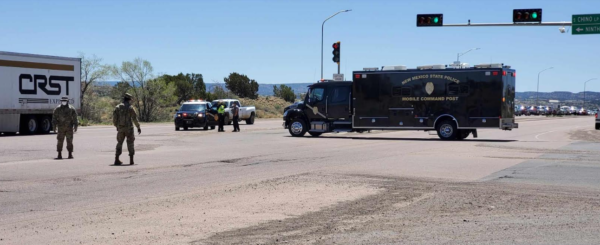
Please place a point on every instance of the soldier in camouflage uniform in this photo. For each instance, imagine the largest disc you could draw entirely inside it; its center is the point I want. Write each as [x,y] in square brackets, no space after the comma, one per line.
[64,119]
[124,116]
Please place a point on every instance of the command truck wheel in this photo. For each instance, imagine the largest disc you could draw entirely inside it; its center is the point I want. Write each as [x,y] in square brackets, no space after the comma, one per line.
[447,130]
[597,126]
[251,119]
[29,125]
[297,128]
[176,128]
[212,127]
[45,125]
[185,128]
[205,126]
[314,134]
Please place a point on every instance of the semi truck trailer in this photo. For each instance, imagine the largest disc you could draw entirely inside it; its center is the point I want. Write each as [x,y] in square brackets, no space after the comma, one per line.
[31,86]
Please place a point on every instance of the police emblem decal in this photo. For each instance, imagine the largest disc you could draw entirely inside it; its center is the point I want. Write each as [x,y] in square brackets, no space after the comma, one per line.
[315,110]
[429,88]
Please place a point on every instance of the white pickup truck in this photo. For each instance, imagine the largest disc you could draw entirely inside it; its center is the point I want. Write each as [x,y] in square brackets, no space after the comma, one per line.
[247,113]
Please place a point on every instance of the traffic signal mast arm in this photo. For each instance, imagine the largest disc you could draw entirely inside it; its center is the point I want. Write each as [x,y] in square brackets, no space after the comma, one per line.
[510,24]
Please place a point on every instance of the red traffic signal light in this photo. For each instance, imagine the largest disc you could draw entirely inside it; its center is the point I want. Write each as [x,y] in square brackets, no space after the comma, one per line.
[527,15]
[430,20]
[336,52]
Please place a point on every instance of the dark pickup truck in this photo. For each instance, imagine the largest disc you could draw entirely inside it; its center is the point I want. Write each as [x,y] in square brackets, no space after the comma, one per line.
[193,114]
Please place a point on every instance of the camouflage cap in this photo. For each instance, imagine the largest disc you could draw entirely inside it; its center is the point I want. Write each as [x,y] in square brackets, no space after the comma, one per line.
[64,98]
[127,96]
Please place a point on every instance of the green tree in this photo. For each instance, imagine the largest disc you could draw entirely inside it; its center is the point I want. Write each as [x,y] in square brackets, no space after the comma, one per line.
[160,99]
[188,86]
[91,71]
[119,89]
[151,95]
[241,85]
[284,92]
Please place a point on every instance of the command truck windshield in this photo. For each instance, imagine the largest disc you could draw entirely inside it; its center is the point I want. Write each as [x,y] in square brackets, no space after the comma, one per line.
[193,107]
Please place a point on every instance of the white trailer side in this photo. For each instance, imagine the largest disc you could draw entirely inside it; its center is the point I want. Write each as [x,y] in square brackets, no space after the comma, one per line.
[31,87]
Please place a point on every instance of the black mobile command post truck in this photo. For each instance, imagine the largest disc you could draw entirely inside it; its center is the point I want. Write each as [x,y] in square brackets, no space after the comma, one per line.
[453,102]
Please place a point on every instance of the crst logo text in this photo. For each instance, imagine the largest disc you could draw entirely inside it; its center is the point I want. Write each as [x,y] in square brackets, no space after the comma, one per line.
[42,82]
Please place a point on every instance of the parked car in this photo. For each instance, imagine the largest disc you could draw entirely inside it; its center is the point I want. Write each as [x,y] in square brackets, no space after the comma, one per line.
[520,110]
[564,110]
[532,110]
[247,113]
[574,110]
[597,122]
[542,110]
[583,112]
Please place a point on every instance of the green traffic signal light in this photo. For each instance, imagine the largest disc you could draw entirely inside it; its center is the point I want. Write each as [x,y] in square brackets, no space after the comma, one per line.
[430,20]
[534,15]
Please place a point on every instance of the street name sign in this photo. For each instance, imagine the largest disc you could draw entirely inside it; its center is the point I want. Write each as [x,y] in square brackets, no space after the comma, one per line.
[585,24]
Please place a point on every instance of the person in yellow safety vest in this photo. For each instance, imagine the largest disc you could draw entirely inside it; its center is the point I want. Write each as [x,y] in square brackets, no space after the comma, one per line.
[221,112]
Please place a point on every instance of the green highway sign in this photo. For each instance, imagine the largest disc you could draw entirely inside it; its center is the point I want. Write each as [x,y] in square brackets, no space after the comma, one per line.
[585,24]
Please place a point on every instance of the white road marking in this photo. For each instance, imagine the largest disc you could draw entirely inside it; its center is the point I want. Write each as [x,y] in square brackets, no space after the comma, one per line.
[536,137]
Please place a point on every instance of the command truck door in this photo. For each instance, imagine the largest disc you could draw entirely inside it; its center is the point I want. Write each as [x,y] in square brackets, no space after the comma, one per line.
[338,104]
[316,104]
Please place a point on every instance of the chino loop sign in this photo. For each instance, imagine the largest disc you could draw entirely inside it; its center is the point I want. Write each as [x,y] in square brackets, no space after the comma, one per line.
[586,24]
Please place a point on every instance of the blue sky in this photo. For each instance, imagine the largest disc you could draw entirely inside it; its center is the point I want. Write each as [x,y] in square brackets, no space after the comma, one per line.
[280,41]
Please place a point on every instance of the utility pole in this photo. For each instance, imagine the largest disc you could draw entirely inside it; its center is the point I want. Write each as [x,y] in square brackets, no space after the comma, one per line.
[537,94]
[584,84]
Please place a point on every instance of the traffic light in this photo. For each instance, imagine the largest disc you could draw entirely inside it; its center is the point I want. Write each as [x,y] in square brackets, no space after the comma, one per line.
[430,20]
[527,15]
[336,52]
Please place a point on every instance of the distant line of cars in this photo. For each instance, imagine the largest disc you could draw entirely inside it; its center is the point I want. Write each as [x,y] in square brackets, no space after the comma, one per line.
[547,110]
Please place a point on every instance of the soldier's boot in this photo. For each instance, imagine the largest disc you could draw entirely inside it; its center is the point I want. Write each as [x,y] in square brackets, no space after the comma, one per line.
[59,156]
[130,160]
[117,161]
[70,155]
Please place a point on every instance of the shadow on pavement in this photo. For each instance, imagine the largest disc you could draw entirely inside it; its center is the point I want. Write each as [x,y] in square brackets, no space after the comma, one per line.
[407,139]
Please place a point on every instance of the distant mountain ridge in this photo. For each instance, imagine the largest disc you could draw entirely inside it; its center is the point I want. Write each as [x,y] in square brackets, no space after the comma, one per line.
[267,90]
[558,95]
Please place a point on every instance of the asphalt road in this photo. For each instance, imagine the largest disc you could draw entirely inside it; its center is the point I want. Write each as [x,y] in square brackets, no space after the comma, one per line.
[538,184]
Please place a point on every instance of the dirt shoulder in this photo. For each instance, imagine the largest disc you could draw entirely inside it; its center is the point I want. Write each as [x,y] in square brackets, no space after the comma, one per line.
[410,211]
[590,135]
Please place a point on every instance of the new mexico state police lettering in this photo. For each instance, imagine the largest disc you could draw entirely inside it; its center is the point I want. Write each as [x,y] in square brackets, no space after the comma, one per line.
[430,76]
[418,99]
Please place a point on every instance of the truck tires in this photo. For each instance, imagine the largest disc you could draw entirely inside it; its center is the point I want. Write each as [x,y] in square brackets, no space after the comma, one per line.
[447,130]
[251,119]
[297,128]
[45,125]
[205,126]
[29,125]
[597,126]
[176,128]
